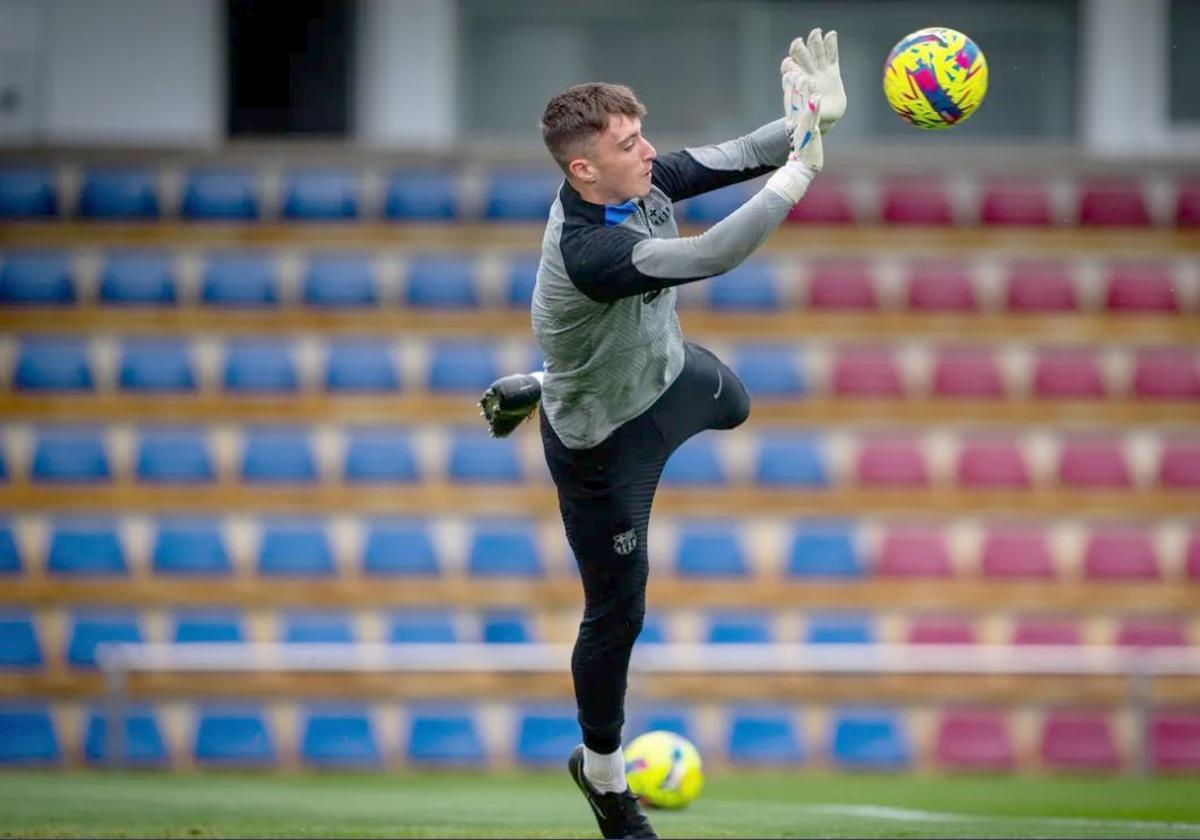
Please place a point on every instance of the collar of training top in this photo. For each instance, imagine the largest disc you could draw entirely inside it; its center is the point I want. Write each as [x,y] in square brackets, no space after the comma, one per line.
[578,210]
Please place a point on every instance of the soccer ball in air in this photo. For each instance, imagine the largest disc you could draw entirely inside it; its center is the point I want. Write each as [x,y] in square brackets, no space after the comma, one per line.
[935,77]
[663,769]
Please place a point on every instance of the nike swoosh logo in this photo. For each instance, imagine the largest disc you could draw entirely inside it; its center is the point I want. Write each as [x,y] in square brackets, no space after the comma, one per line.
[720,384]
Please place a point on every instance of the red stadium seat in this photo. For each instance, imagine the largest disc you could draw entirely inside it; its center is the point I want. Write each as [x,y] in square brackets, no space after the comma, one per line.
[1151,631]
[1046,630]
[1166,373]
[992,463]
[1141,287]
[1191,563]
[891,462]
[1016,551]
[1187,204]
[968,372]
[1179,464]
[914,552]
[825,203]
[1040,286]
[1175,739]
[1093,463]
[845,285]
[915,201]
[1078,740]
[941,630]
[866,372]
[1068,373]
[1120,553]
[1113,203]
[1015,203]
[940,286]
[974,739]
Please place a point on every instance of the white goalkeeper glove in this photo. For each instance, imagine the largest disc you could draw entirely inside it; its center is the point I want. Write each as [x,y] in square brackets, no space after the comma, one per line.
[807,156]
[817,60]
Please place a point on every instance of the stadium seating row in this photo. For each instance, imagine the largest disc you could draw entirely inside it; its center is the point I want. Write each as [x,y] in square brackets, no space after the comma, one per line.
[296,455]
[333,194]
[770,370]
[191,547]
[323,735]
[458,281]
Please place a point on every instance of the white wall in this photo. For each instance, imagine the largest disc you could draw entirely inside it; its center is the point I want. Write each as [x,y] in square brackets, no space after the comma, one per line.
[20,80]
[142,72]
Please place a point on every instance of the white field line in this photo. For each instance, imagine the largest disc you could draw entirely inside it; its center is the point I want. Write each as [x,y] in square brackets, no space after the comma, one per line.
[886,812]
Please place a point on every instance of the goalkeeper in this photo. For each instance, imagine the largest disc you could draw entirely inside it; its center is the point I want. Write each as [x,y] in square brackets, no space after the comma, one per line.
[621,390]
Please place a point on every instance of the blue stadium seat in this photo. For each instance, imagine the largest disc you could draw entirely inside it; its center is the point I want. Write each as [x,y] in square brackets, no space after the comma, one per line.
[338,735]
[790,460]
[462,366]
[445,734]
[506,627]
[399,547]
[379,455]
[19,645]
[441,282]
[422,626]
[361,365]
[710,549]
[518,196]
[53,364]
[839,628]
[220,194]
[233,735]
[320,195]
[27,193]
[750,286]
[142,742]
[476,457]
[240,280]
[91,627]
[295,548]
[10,557]
[141,278]
[654,629]
[119,194]
[174,455]
[337,280]
[260,366]
[658,716]
[85,546]
[715,205]
[69,455]
[156,364]
[421,195]
[27,735]
[207,625]
[276,455]
[317,626]
[696,462]
[824,549]
[545,735]
[503,547]
[869,739]
[522,278]
[184,546]
[769,370]
[36,278]
[738,628]
[762,735]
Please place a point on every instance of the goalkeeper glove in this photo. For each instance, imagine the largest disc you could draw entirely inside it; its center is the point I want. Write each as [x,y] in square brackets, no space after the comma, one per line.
[807,156]
[817,60]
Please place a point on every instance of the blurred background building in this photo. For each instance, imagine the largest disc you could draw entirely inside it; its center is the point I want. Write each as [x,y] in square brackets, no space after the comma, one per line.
[258,260]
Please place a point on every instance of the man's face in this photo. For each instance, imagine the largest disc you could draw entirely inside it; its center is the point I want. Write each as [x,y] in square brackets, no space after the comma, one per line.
[620,159]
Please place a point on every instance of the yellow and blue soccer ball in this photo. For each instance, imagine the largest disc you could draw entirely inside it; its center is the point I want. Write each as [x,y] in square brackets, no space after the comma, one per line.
[935,78]
[663,769]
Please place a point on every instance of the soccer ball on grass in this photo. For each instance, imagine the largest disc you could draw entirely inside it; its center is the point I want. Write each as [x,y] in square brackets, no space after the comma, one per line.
[935,78]
[663,769]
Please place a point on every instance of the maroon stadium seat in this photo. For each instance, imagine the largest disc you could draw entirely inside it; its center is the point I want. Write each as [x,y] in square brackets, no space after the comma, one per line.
[1141,287]
[991,463]
[1179,464]
[1175,739]
[866,372]
[1078,740]
[891,462]
[1151,631]
[1015,203]
[1112,203]
[1120,552]
[914,552]
[1093,463]
[1191,563]
[940,286]
[974,739]
[1187,204]
[1166,373]
[970,372]
[1046,630]
[915,201]
[941,630]
[825,203]
[842,285]
[1016,551]
[1068,373]
[1040,286]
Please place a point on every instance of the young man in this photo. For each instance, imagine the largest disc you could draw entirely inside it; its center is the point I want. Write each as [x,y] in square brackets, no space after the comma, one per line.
[621,390]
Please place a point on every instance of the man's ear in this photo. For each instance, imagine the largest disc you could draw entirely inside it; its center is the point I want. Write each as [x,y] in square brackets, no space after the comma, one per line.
[581,170]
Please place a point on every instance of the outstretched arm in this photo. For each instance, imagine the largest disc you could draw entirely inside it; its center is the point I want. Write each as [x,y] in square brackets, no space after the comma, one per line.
[692,171]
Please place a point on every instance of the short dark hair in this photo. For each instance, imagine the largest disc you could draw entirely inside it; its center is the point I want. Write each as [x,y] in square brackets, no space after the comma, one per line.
[572,118]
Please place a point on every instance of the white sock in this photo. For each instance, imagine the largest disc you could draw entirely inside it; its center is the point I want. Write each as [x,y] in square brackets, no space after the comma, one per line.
[605,772]
[539,375]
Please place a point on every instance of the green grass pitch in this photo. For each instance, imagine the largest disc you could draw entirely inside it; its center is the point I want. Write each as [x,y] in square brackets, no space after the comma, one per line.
[757,804]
